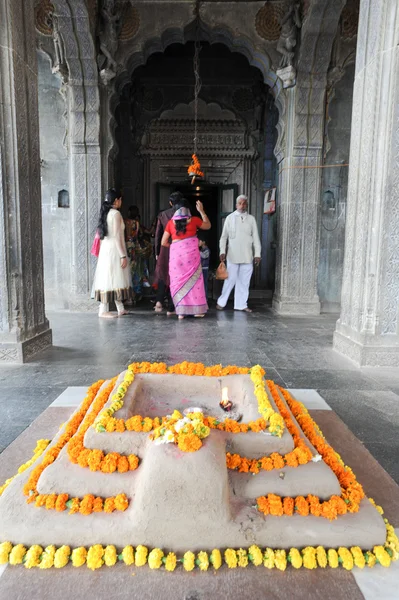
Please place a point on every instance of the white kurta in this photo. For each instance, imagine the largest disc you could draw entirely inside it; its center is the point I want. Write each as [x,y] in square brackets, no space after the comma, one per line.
[111,282]
[241,233]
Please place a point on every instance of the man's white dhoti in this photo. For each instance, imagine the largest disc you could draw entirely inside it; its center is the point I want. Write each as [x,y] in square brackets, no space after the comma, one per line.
[240,277]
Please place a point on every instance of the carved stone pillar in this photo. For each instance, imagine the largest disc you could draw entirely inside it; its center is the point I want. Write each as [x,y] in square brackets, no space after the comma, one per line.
[24,329]
[368,328]
[299,182]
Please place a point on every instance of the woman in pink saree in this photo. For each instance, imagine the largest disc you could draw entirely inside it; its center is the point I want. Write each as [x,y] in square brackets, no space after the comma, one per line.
[185,270]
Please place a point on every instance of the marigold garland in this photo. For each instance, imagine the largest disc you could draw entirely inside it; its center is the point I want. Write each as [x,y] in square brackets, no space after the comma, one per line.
[351,491]
[41,445]
[270,419]
[308,558]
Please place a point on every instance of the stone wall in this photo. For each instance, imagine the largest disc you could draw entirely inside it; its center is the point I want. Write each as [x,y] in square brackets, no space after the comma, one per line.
[55,188]
[334,186]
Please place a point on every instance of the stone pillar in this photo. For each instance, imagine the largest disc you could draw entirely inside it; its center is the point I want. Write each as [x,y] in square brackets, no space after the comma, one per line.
[24,329]
[298,201]
[368,328]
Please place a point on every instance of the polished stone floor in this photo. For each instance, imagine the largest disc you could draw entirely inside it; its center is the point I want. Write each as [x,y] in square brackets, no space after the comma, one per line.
[295,351]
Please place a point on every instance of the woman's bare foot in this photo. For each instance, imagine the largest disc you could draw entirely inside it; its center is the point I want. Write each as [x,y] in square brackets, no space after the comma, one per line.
[122,313]
[199,316]
[170,313]
[158,307]
[181,317]
[108,315]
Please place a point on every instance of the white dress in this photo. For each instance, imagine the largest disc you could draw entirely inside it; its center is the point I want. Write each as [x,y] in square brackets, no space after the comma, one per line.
[111,282]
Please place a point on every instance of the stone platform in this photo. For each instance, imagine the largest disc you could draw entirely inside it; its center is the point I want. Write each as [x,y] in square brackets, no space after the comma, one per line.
[238,584]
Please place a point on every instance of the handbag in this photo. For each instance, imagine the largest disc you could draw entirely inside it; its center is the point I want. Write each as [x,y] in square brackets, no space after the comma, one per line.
[95,248]
[221,271]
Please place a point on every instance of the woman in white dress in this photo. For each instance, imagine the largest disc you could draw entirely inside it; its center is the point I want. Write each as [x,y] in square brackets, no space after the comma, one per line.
[112,281]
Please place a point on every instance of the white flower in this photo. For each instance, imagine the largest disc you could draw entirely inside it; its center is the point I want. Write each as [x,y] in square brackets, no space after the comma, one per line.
[317,458]
[193,409]
[169,437]
[180,424]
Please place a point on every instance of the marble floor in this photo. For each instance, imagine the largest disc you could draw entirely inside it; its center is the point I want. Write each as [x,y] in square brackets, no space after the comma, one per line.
[295,351]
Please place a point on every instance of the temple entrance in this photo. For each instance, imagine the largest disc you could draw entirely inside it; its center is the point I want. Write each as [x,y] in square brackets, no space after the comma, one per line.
[218,201]
[235,142]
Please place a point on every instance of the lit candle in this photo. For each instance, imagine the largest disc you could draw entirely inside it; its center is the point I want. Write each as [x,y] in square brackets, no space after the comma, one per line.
[225,403]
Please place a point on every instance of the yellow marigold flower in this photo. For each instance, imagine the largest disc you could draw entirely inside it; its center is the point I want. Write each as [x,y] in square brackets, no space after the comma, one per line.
[17,554]
[155,558]
[127,555]
[230,558]
[268,558]
[242,558]
[110,556]
[332,556]
[280,560]
[370,559]
[5,549]
[79,556]
[141,556]
[295,558]
[382,556]
[309,557]
[189,561]
[95,557]
[170,562]
[255,555]
[358,557]
[378,508]
[32,558]
[61,557]
[345,558]
[47,559]
[202,561]
[216,558]
[321,557]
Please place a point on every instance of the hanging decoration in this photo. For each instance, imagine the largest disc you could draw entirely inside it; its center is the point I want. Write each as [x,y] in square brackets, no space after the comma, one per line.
[194,170]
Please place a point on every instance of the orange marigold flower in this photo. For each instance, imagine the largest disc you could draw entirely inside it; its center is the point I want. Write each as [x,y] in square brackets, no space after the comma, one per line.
[86,504]
[109,505]
[233,460]
[95,459]
[189,442]
[275,504]
[121,502]
[75,506]
[314,505]
[51,500]
[278,461]
[98,504]
[254,468]
[123,464]
[147,424]
[110,462]
[111,424]
[134,423]
[288,506]
[40,500]
[243,427]
[291,459]
[263,505]
[83,457]
[244,466]
[301,506]
[267,463]
[60,504]
[133,462]
[120,425]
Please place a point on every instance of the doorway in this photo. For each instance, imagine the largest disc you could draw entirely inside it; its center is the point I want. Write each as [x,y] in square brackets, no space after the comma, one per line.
[218,201]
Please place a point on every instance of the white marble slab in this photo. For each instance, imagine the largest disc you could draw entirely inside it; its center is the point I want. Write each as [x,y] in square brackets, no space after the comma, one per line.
[72,396]
[2,569]
[311,399]
[379,582]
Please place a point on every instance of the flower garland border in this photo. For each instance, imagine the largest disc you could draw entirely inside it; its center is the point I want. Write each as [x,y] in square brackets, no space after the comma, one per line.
[309,558]
[41,445]
[351,490]
[60,502]
[270,419]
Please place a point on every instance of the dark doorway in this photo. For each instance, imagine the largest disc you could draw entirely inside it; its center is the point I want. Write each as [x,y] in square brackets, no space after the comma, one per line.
[218,201]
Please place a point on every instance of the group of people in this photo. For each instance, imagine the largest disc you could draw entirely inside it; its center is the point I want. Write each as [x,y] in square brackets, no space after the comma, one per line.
[182,256]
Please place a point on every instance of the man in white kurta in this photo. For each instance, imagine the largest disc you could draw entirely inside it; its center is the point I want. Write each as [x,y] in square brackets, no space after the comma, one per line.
[240,232]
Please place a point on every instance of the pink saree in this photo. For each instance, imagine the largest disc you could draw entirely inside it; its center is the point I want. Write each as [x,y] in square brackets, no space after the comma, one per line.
[186,280]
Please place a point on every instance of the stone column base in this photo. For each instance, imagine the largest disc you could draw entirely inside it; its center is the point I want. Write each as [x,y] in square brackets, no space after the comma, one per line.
[370,351]
[287,306]
[21,352]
